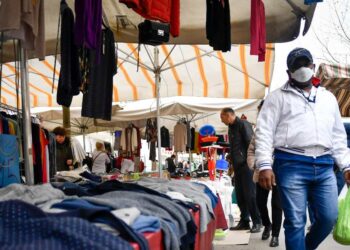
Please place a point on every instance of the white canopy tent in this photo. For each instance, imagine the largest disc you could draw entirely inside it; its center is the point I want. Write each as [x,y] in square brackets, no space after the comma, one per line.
[283,19]
[282,23]
[200,110]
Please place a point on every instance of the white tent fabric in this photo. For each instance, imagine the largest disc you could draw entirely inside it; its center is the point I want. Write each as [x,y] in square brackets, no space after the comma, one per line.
[283,20]
[200,110]
[235,74]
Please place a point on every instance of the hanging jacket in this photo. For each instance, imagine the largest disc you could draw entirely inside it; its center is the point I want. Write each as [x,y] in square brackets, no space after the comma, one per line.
[167,11]
[69,81]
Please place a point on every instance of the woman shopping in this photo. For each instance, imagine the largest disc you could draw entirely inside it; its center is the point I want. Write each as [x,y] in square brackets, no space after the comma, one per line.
[99,159]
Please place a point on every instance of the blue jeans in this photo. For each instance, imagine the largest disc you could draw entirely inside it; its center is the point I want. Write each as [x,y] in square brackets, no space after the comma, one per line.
[340,184]
[302,180]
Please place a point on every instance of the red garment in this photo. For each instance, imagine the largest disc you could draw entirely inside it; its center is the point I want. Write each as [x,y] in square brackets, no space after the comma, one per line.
[139,144]
[118,162]
[257,29]
[167,11]
[43,143]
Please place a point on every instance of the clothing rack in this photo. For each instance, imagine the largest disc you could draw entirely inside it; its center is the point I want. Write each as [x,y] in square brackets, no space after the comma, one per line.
[10,108]
[22,58]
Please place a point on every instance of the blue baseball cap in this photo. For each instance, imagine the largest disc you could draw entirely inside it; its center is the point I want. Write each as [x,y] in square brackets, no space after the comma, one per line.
[298,53]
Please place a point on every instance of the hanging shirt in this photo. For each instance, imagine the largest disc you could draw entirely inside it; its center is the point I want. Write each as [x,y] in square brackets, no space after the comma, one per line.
[257,29]
[180,137]
[97,100]
[218,24]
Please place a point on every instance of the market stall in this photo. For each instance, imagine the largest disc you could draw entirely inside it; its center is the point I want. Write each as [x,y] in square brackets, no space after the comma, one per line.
[179,214]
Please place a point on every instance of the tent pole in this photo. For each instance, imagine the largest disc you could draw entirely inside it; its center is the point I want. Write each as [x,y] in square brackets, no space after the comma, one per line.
[83,130]
[27,129]
[157,81]
[66,119]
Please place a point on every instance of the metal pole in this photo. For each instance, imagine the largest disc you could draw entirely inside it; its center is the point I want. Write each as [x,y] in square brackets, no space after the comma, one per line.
[27,127]
[157,80]
[66,119]
[84,140]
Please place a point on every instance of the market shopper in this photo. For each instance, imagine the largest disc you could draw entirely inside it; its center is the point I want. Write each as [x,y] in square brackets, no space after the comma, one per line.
[302,122]
[99,159]
[240,135]
[64,154]
[262,195]
[171,164]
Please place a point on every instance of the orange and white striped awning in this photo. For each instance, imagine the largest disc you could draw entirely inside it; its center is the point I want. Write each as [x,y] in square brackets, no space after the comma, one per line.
[336,78]
[189,70]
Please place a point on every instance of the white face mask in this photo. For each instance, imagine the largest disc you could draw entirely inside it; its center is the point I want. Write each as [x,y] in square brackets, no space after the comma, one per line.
[303,74]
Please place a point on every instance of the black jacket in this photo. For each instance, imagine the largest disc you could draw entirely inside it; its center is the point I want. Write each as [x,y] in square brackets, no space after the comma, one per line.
[240,134]
[70,76]
[165,137]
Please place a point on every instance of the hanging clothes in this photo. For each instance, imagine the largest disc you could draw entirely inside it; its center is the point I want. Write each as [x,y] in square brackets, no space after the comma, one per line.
[117,139]
[218,24]
[139,144]
[151,137]
[52,154]
[257,30]
[97,100]
[70,76]
[5,126]
[188,129]
[180,137]
[78,151]
[10,15]
[131,141]
[43,144]
[193,134]
[165,137]
[88,23]
[37,157]
[9,160]
[167,11]
[26,22]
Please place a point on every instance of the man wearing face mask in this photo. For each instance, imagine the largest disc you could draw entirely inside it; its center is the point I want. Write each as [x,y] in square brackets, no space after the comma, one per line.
[302,123]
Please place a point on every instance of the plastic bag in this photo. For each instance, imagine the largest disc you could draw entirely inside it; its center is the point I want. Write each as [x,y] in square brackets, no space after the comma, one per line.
[341,233]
